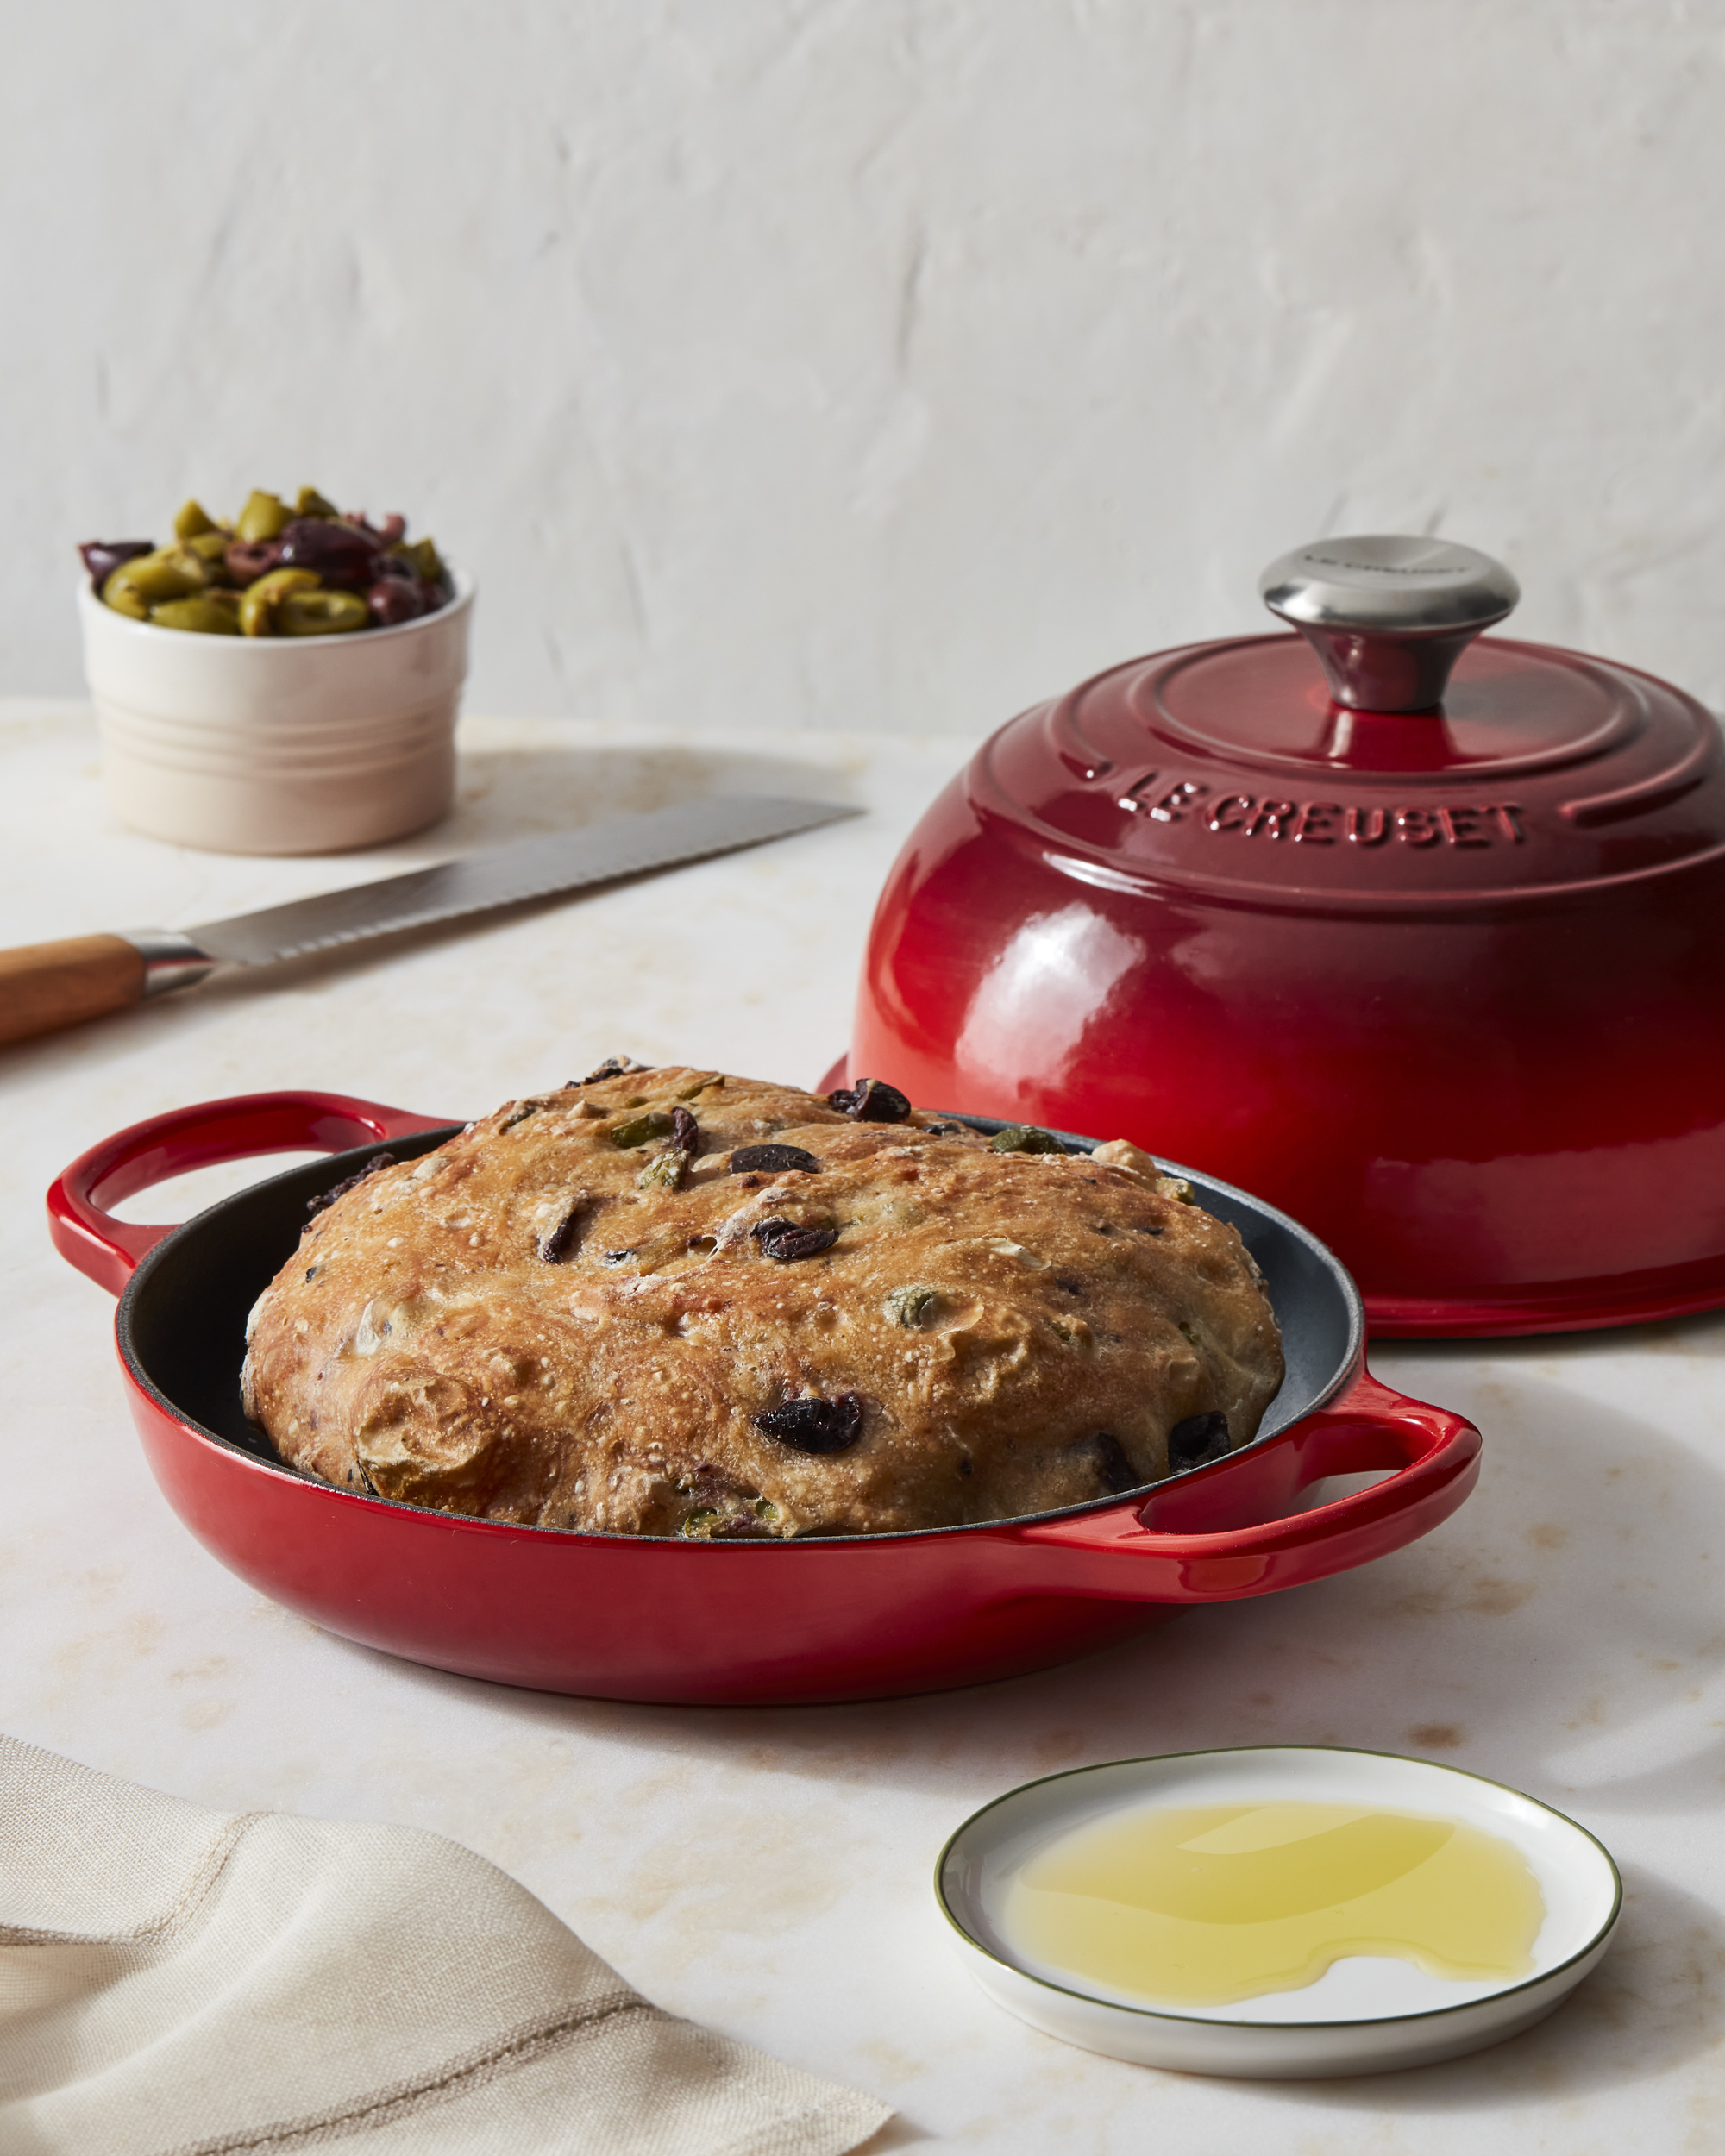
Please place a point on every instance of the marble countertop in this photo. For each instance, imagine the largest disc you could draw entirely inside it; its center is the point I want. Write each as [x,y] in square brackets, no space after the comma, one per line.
[766,1871]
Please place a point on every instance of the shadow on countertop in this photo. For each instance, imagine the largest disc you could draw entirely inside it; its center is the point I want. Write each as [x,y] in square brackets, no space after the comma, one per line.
[1654,2001]
[507,793]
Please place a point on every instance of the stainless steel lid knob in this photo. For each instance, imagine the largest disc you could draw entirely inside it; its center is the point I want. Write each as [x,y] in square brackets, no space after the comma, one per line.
[1388,617]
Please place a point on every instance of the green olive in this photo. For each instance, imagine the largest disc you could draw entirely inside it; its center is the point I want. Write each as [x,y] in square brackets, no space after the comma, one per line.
[320,613]
[211,613]
[666,1170]
[210,546]
[309,503]
[425,558]
[185,558]
[192,521]
[124,600]
[908,1306]
[169,573]
[657,1123]
[264,516]
[259,600]
[1024,1137]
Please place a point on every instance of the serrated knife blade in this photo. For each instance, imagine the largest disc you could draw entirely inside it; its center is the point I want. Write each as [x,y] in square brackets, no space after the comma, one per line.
[506,875]
[48,985]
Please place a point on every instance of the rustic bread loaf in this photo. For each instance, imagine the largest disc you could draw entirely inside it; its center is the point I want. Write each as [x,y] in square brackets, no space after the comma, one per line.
[675,1303]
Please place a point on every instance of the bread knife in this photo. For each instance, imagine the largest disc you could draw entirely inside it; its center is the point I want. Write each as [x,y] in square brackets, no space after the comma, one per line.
[44,987]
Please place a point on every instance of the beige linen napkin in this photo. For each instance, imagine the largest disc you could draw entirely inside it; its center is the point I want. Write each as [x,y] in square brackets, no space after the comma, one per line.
[177,1982]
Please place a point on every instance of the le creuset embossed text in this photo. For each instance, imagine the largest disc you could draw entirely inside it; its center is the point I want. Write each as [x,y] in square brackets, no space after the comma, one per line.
[1418,937]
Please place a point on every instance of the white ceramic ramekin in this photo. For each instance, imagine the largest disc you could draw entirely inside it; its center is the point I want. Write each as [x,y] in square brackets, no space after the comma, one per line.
[278,744]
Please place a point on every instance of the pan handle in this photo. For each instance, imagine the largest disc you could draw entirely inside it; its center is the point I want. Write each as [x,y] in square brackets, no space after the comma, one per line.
[1226,1531]
[89,1238]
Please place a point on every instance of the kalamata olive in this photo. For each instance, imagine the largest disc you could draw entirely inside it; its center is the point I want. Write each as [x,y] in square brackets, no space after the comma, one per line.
[341,1190]
[1197,1439]
[103,556]
[250,559]
[404,563]
[870,1101]
[559,1239]
[612,1067]
[789,1240]
[772,1160]
[392,600]
[345,559]
[1114,1470]
[388,533]
[815,1425]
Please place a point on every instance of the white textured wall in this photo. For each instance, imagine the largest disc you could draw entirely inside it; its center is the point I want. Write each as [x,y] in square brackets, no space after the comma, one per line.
[875,362]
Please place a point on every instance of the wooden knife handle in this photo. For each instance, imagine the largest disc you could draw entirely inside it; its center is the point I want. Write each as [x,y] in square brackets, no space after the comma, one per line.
[44,987]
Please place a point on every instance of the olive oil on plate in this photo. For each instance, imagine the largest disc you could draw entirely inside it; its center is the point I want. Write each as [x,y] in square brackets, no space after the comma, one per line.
[1207,1906]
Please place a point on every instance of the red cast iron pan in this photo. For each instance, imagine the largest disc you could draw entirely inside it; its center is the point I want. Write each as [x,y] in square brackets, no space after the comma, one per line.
[623,1617]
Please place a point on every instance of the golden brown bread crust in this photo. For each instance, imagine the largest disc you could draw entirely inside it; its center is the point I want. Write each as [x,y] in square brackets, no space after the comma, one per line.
[539,1323]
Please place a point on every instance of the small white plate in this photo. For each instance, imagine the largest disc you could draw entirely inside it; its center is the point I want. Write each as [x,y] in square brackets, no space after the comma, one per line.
[1367,2013]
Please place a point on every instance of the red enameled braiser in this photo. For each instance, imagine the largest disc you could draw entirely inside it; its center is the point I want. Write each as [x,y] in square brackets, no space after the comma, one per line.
[715,1623]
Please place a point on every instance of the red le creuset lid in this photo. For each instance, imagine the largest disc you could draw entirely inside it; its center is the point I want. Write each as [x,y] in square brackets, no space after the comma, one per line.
[1421,937]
